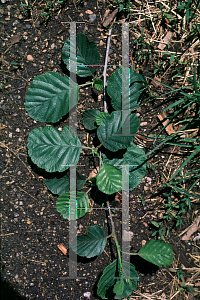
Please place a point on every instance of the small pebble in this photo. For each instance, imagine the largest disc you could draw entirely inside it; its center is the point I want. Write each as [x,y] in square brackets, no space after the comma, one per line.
[17,130]
[143,242]
[87,295]
[92,17]
[15,22]
[30,58]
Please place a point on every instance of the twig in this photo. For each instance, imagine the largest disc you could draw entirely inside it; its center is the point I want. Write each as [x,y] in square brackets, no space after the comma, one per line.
[151,16]
[7,234]
[175,294]
[111,220]
[28,194]
[104,78]
[104,71]
[179,17]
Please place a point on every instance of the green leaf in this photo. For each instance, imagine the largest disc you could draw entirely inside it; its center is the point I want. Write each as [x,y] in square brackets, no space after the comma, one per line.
[135,158]
[90,244]
[98,84]
[157,252]
[121,7]
[60,185]
[109,179]
[89,118]
[100,117]
[66,205]
[107,287]
[87,54]
[93,181]
[54,150]
[47,99]
[172,58]
[134,90]
[109,131]
[119,287]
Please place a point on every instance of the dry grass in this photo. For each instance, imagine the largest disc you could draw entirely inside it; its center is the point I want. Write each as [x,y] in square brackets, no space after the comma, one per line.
[163,36]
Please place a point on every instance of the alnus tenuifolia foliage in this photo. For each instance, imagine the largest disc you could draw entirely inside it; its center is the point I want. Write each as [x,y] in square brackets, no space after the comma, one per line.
[48,99]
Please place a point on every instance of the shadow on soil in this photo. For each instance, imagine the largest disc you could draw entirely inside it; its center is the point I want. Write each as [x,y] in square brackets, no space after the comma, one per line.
[141,266]
[8,292]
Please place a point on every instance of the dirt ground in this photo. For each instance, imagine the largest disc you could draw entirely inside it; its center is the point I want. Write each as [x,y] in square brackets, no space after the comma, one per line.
[32,266]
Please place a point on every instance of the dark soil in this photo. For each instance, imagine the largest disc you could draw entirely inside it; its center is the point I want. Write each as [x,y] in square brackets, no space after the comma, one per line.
[31,229]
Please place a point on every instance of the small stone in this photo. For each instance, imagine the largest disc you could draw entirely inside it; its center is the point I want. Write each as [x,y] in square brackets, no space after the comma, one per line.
[15,22]
[87,295]
[127,236]
[20,17]
[30,58]
[53,46]
[17,130]
[89,12]
[114,41]
[10,135]
[143,242]
[101,43]
[92,17]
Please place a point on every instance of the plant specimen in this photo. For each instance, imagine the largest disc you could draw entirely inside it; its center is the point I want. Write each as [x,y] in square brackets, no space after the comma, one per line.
[49,98]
